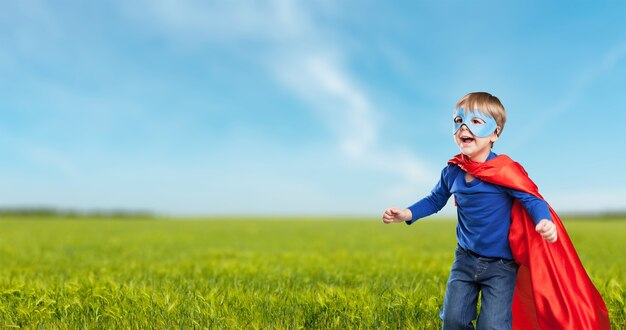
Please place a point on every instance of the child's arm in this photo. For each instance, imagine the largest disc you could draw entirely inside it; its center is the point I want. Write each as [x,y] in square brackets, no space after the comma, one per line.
[540,212]
[428,205]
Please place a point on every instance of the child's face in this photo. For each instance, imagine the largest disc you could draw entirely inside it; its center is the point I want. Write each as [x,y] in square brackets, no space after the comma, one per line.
[479,124]
[475,147]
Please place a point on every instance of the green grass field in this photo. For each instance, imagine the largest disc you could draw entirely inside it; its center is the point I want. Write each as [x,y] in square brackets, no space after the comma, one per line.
[251,274]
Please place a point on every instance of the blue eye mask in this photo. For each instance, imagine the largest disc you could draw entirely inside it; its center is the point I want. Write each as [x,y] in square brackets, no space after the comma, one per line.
[480,130]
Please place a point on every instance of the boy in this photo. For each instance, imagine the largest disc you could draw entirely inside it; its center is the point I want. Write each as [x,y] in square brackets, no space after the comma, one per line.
[491,193]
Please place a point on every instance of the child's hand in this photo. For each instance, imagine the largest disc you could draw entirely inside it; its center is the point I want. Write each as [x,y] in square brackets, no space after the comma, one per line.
[396,215]
[547,229]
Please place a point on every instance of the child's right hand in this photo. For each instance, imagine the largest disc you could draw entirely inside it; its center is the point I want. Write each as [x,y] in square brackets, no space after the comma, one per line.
[547,229]
[396,215]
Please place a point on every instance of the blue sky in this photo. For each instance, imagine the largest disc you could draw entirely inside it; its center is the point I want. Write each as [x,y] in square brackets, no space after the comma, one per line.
[284,107]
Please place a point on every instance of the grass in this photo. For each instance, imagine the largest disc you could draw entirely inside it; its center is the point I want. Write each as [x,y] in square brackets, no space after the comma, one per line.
[57,273]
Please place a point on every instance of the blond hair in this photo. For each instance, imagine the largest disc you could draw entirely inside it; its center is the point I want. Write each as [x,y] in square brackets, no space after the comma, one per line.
[487,104]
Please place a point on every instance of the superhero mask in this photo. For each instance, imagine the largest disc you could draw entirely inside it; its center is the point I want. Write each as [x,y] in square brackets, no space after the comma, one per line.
[462,117]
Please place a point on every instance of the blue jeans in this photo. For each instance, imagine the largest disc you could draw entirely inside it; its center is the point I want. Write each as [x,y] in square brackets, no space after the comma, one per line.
[470,274]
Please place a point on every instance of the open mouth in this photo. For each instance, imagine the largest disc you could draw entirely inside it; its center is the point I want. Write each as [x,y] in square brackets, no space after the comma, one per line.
[466,139]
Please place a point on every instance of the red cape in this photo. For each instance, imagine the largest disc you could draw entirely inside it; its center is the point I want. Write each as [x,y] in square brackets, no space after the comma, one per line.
[552,291]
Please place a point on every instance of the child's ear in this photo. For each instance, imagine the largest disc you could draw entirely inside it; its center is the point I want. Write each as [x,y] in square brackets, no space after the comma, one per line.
[494,137]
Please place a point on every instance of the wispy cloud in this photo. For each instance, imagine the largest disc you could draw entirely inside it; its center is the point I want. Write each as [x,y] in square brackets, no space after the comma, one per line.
[321,81]
[270,21]
[308,64]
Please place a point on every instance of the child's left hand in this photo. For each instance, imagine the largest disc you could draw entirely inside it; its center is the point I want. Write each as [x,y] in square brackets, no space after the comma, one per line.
[547,230]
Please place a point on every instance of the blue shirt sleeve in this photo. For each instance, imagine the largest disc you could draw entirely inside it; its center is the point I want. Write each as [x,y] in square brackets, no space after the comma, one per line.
[434,202]
[536,207]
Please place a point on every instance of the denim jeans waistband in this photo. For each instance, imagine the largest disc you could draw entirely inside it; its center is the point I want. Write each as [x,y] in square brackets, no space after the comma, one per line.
[476,255]
[470,252]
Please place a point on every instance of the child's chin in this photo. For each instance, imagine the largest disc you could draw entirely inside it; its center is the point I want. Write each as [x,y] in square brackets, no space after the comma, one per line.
[466,151]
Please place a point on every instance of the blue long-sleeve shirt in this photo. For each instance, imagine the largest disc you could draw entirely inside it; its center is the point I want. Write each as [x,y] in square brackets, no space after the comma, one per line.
[483,209]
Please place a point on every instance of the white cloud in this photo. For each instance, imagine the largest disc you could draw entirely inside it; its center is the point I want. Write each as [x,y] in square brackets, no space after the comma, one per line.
[320,81]
[300,56]
[323,83]
[268,21]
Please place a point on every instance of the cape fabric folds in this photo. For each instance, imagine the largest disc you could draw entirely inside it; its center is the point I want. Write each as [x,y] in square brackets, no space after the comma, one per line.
[552,291]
